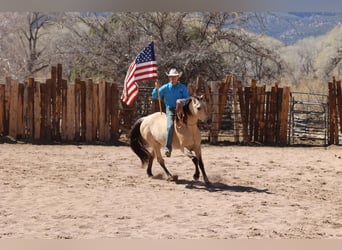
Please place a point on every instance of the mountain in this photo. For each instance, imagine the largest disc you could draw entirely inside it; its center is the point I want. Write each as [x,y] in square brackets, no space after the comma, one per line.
[289,27]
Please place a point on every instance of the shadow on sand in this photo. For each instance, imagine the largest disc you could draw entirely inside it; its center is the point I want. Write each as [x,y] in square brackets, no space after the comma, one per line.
[219,187]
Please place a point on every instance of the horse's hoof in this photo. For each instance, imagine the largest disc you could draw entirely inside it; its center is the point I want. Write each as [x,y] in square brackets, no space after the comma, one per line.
[196,177]
[173,178]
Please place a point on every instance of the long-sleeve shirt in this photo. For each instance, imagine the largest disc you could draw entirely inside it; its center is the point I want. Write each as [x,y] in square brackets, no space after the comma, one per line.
[171,93]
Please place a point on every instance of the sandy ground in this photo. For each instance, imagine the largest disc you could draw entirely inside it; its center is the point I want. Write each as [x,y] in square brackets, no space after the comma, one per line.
[87,192]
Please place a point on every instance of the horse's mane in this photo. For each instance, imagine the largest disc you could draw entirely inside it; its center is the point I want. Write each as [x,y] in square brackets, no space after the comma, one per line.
[186,110]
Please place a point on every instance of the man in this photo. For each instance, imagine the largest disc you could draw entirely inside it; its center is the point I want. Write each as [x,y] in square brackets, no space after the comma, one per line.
[172,92]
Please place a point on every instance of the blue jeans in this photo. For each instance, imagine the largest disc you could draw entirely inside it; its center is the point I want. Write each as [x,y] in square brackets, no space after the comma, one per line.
[170,116]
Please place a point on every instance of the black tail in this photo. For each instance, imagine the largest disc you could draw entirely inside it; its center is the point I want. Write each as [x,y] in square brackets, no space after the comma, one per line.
[138,144]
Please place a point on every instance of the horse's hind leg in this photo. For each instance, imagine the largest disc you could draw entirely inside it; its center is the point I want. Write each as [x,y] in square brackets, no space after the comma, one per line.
[149,166]
[161,161]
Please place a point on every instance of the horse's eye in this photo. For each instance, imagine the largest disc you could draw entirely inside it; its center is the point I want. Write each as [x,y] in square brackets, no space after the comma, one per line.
[199,108]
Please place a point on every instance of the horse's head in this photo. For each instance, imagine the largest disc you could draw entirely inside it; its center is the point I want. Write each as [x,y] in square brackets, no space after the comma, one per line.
[198,108]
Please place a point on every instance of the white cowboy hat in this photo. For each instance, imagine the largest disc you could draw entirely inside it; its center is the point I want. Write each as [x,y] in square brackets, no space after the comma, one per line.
[174,72]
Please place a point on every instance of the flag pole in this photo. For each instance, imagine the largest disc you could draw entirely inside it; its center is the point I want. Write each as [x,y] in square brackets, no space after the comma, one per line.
[159,100]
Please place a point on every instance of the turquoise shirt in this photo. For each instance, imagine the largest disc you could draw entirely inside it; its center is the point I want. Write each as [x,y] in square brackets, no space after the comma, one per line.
[171,93]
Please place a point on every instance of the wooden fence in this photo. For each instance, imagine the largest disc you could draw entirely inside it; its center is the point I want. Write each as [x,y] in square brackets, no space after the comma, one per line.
[259,116]
[264,114]
[335,111]
[83,111]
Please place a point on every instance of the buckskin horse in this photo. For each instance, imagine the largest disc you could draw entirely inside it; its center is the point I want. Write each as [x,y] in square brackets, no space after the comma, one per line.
[148,136]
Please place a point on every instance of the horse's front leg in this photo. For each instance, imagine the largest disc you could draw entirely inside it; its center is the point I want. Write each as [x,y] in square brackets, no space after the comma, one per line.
[205,177]
[195,161]
[201,166]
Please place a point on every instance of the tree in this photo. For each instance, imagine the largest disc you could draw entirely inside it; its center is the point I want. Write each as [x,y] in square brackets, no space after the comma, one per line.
[192,42]
[334,65]
[102,45]
[26,43]
[31,36]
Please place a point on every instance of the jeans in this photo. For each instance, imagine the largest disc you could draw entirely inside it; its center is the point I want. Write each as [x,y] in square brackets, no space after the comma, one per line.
[170,116]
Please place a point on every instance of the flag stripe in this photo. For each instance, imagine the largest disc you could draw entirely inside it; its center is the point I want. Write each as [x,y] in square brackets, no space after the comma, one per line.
[146,77]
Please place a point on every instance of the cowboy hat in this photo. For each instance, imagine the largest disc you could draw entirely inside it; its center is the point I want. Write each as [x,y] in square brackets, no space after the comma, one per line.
[174,72]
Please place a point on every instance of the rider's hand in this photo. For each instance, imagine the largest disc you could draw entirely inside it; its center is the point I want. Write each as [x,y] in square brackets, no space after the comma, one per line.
[157,85]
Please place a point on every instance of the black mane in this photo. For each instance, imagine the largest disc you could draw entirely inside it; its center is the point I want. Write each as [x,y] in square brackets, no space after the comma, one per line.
[186,110]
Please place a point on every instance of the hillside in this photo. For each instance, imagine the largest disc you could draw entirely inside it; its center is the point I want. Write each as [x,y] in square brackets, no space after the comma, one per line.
[290,27]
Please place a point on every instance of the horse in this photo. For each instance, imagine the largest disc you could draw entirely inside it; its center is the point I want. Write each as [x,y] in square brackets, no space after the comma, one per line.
[148,136]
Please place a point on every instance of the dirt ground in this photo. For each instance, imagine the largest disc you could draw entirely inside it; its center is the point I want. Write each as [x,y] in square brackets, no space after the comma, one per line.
[100,192]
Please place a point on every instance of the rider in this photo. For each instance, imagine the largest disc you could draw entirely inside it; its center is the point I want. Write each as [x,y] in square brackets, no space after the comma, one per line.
[174,93]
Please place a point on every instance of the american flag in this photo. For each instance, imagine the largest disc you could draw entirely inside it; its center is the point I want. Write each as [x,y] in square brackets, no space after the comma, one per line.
[144,67]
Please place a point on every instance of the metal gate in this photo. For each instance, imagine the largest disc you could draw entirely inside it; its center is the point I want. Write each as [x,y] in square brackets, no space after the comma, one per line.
[308,119]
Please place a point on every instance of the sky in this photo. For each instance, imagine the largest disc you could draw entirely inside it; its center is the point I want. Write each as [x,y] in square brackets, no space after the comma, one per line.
[174,5]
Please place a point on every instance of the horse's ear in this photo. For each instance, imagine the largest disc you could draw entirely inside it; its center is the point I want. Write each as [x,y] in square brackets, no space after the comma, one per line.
[203,98]
[188,101]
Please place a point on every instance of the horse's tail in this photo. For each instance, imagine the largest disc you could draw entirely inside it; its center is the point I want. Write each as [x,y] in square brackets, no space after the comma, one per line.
[138,144]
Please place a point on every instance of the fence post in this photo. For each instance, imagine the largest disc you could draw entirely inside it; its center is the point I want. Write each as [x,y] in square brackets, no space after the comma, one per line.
[271,130]
[89,111]
[13,114]
[243,111]
[261,113]
[37,111]
[252,114]
[236,112]
[2,109]
[43,111]
[114,112]
[104,131]
[30,106]
[53,101]
[278,114]
[284,116]
[48,127]
[21,111]
[69,132]
[223,96]
[332,113]
[108,98]
[58,101]
[95,111]
[64,90]
[215,86]
[77,109]
[339,106]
